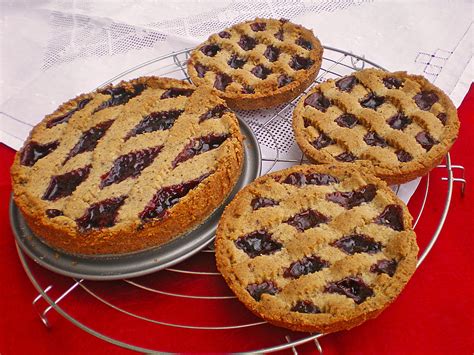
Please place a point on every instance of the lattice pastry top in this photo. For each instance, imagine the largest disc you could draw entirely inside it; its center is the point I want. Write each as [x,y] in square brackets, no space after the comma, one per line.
[399,125]
[257,64]
[127,167]
[316,247]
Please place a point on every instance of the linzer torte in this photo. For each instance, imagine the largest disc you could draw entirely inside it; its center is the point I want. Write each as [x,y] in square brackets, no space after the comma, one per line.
[257,64]
[127,167]
[399,125]
[316,248]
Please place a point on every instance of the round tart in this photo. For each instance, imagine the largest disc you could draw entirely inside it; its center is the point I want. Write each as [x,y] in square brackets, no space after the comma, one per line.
[316,248]
[127,167]
[399,125]
[257,64]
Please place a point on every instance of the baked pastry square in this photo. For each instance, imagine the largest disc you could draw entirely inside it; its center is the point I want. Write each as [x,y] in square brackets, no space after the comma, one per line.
[127,167]
[316,248]
[257,64]
[399,125]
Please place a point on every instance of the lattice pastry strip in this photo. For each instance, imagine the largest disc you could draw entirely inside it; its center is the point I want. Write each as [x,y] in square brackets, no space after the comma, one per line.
[132,166]
[400,125]
[259,63]
[316,248]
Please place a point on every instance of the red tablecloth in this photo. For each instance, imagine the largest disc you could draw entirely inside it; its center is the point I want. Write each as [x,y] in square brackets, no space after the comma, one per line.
[434,314]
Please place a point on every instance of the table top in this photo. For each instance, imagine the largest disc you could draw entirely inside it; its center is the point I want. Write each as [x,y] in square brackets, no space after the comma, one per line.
[432,315]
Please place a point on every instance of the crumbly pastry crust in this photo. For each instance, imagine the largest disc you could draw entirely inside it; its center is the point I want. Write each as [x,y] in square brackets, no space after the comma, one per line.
[267,92]
[218,168]
[399,136]
[337,311]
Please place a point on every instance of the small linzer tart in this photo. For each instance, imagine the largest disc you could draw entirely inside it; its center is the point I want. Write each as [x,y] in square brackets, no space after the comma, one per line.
[127,167]
[317,248]
[399,125]
[257,64]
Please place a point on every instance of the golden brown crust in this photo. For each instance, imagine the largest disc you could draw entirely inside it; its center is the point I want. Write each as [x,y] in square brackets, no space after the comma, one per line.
[130,233]
[382,160]
[338,312]
[267,92]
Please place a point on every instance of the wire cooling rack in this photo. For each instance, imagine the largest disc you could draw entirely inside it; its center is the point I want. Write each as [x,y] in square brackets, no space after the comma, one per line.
[169,288]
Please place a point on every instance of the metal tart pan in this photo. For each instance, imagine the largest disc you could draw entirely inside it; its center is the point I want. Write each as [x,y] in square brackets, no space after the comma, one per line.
[113,267]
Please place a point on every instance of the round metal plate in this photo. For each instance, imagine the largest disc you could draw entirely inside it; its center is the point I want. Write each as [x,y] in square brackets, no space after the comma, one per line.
[114,267]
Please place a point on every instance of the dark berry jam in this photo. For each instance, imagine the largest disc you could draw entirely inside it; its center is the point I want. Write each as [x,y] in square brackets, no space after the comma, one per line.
[391,82]
[279,35]
[224,34]
[89,139]
[272,53]
[67,116]
[52,213]
[258,26]
[372,101]
[247,43]
[305,266]
[258,243]
[385,267]
[215,112]
[167,197]
[353,199]
[129,165]
[119,96]
[222,81]
[318,101]
[346,157]
[260,202]
[284,80]
[101,214]
[210,50]
[300,63]
[200,145]
[201,70]
[347,83]
[304,43]
[306,220]
[299,179]
[322,141]
[358,243]
[236,62]
[261,71]
[426,140]
[392,217]
[346,120]
[175,92]
[257,290]
[352,287]
[442,117]
[64,185]
[425,99]
[403,156]
[305,307]
[373,139]
[34,151]
[399,121]
[155,121]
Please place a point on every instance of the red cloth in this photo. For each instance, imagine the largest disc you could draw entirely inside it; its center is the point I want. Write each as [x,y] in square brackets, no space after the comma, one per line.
[434,314]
